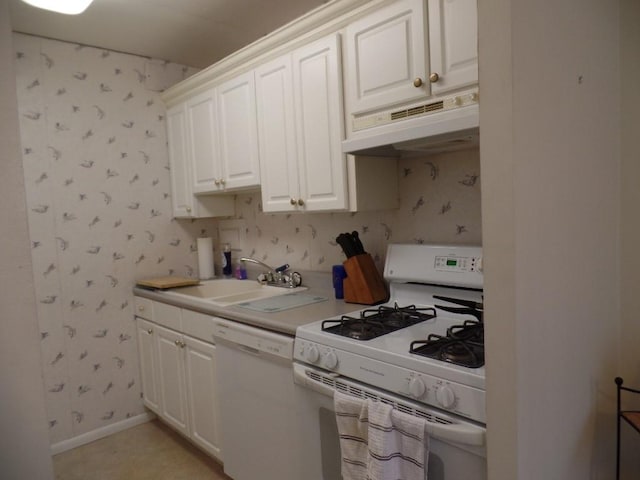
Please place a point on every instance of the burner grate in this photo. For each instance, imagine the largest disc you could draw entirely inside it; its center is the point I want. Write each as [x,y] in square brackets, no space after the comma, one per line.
[463,345]
[373,323]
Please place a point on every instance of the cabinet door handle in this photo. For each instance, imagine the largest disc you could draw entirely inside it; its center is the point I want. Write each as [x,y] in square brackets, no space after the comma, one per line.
[293,201]
[150,331]
[417,82]
[300,202]
[188,209]
[434,77]
[223,182]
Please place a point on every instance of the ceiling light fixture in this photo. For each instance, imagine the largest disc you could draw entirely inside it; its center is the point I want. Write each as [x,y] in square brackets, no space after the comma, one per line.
[69,7]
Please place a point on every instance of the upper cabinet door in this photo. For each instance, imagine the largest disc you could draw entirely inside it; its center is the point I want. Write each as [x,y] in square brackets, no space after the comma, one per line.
[320,125]
[181,180]
[202,142]
[238,132]
[386,57]
[277,135]
[453,37]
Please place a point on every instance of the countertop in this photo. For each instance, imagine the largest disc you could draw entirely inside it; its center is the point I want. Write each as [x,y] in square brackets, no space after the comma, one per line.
[317,283]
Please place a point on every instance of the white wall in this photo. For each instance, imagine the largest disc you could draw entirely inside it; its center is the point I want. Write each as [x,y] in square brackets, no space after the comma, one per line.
[549,77]
[630,224]
[24,446]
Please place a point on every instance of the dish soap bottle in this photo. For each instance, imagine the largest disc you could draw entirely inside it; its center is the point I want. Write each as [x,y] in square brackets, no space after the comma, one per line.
[226,260]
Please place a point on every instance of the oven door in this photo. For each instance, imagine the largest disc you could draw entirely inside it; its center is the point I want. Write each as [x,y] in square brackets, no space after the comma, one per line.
[457,447]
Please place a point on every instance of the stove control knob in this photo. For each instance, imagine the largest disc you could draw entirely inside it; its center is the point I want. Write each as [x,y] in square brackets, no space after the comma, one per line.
[330,360]
[312,354]
[445,396]
[416,387]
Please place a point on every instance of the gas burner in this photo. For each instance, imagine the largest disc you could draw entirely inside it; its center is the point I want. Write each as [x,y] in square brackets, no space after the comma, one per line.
[376,322]
[470,330]
[465,352]
[397,317]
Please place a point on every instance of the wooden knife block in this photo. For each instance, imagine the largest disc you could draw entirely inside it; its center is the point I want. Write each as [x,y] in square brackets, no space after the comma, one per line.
[363,283]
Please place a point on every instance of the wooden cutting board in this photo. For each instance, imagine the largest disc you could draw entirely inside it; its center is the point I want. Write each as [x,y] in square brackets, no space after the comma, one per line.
[167,282]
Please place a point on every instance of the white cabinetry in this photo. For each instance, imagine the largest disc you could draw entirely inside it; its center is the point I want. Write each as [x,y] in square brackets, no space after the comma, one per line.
[238,133]
[300,122]
[171,372]
[453,37]
[386,57]
[223,137]
[184,148]
[148,364]
[200,362]
[203,142]
[402,59]
[179,371]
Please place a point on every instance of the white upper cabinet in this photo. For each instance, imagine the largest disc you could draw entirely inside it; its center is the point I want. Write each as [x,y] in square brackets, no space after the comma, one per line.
[404,55]
[317,87]
[182,166]
[386,57]
[203,142]
[238,133]
[181,184]
[277,135]
[300,123]
[453,37]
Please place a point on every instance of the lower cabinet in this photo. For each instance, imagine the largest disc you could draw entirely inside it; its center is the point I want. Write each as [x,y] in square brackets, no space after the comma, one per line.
[179,382]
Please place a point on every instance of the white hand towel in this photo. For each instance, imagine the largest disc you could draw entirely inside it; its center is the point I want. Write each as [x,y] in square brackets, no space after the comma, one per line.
[353,428]
[398,444]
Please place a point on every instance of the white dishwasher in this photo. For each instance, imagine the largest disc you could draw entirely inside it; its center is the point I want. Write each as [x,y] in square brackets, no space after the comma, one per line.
[258,414]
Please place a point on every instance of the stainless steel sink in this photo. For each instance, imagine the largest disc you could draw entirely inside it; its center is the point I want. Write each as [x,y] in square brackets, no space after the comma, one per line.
[225,292]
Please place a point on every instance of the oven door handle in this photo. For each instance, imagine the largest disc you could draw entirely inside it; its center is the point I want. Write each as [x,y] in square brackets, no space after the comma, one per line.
[462,433]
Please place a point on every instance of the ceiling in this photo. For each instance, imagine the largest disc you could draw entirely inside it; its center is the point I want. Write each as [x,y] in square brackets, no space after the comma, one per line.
[196,33]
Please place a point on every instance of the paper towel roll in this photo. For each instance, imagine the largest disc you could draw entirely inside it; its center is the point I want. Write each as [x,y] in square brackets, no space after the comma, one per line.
[205,258]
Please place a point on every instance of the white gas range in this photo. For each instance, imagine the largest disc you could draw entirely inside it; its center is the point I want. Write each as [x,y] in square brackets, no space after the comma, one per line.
[426,277]
[371,354]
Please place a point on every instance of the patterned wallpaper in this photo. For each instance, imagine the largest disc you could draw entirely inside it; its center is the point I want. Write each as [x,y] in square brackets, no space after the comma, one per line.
[97,182]
[439,202]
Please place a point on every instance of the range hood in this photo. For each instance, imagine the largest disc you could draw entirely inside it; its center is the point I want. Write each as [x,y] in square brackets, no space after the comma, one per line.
[436,131]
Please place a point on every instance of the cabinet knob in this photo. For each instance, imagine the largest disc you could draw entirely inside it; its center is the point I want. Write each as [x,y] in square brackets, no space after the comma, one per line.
[434,77]
[223,182]
[188,209]
[150,331]
[300,202]
[141,308]
[216,181]
[293,201]
[417,82]
[177,342]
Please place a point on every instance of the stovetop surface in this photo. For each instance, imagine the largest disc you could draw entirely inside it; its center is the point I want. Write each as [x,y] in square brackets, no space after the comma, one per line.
[394,348]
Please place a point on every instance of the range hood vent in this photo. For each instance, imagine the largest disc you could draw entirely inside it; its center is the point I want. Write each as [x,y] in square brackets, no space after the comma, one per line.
[444,125]
[419,110]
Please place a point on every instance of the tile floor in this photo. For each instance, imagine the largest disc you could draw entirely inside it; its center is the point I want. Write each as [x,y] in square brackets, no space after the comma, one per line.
[150,451]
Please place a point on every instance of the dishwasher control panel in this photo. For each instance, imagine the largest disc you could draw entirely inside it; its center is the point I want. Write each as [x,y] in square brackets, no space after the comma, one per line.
[252,339]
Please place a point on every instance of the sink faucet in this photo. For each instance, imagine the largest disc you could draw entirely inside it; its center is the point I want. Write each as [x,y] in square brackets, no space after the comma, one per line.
[258,262]
[275,276]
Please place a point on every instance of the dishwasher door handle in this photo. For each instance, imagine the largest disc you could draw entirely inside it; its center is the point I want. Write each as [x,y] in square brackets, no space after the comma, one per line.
[250,350]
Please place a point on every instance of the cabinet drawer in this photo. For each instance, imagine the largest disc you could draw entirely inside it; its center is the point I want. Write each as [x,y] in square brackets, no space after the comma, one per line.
[143,307]
[167,316]
[198,325]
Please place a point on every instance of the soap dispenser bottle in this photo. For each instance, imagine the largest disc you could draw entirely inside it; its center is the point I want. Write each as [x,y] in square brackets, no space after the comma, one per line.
[226,260]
